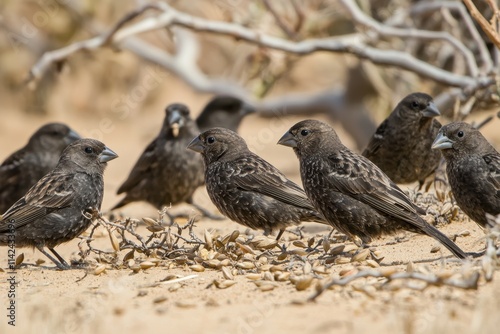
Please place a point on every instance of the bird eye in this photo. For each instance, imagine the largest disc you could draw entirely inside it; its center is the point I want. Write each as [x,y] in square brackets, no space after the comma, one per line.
[460,134]
[88,150]
[304,132]
[210,140]
[414,104]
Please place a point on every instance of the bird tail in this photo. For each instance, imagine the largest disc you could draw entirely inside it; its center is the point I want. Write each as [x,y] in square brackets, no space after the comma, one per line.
[443,239]
[313,216]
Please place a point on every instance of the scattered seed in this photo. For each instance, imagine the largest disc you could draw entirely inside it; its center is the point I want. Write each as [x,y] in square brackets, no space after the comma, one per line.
[159,300]
[253,276]
[245,265]
[208,240]
[435,249]
[19,259]
[146,265]
[224,284]
[303,282]
[372,263]
[342,260]
[99,269]
[226,272]
[361,255]
[197,268]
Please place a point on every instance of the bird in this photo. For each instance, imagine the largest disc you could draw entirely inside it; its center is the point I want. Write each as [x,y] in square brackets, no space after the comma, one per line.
[246,188]
[23,168]
[351,192]
[401,145]
[223,111]
[473,170]
[61,205]
[166,173]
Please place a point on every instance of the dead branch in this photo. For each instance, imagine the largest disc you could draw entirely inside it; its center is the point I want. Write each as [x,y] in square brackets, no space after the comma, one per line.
[489,29]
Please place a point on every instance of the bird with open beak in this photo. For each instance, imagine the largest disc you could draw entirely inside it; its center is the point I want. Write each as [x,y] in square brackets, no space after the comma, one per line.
[166,173]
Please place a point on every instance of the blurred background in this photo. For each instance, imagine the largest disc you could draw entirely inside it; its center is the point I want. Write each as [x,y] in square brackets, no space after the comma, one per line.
[118,97]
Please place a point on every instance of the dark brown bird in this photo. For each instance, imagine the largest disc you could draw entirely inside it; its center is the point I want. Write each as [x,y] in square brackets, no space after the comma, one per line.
[166,173]
[473,170]
[23,168]
[353,194]
[401,145]
[223,111]
[248,189]
[59,206]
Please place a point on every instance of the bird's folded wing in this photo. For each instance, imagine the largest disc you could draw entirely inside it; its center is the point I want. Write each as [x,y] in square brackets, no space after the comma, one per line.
[267,180]
[53,192]
[144,164]
[376,141]
[9,170]
[370,186]
[493,161]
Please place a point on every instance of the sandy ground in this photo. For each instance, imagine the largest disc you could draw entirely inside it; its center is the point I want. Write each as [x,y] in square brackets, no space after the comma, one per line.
[118,300]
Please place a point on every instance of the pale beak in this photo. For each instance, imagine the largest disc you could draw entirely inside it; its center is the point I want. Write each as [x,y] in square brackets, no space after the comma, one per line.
[431,111]
[442,142]
[107,155]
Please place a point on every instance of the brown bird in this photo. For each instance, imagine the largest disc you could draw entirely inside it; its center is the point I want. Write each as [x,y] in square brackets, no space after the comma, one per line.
[23,168]
[401,145]
[60,206]
[248,189]
[166,173]
[351,192]
[473,170]
[223,111]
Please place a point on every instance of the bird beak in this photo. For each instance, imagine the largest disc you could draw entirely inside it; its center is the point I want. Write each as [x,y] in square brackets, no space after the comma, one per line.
[175,121]
[107,155]
[73,136]
[196,145]
[288,140]
[442,142]
[431,111]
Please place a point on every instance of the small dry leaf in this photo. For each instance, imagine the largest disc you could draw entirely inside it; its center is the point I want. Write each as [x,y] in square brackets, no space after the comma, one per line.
[19,259]
[99,269]
[224,284]
[128,256]
[159,300]
[114,241]
[149,221]
[337,250]
[342,260]
[361,255]
[303,283]
[299,243]
[226,272]
[307,268]
[197,267]
[245,265]
[372,263]
[435,249]
[185,304]
[253,276]
[208,240]
[146,265]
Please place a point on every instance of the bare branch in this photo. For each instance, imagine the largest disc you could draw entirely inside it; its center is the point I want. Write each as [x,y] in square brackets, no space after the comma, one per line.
[488,29]
[354,43]
[375,27]
[431,7]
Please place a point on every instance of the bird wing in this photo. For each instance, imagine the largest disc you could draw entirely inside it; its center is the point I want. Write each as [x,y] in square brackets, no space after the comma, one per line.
[365,182]
[9,170]
[493,162]
[261,177]
[376,140]
[53,192]
[146,162]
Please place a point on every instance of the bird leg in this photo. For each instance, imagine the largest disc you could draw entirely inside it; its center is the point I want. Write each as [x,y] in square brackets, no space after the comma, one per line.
[60,264]
[280,233]
[59,257]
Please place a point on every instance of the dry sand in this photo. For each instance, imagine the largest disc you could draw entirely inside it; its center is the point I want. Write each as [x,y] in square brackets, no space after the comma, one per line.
[119,301]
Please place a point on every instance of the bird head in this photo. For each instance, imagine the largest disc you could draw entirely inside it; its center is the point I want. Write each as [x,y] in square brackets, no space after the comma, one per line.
[90,155]
[458,138]
[217,143]
[53,137]
[309,136]
[224,111]
[176,117]
[417,106]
